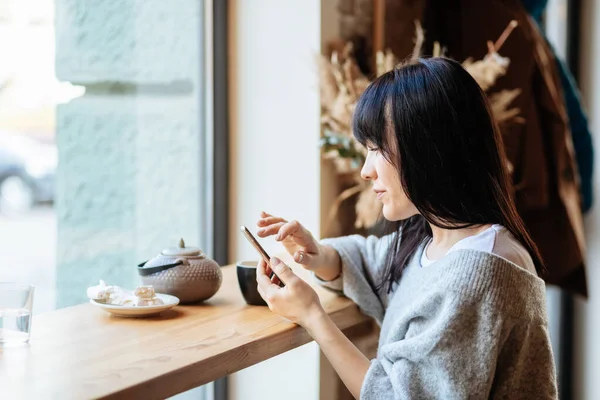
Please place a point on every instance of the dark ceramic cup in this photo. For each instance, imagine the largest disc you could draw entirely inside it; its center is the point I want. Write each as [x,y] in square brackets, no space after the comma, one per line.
[246,274]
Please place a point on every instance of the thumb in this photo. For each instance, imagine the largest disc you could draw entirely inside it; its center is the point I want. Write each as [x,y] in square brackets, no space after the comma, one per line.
[283,272]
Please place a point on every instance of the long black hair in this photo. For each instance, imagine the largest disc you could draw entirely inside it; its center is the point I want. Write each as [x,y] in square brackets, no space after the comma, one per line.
[433,122]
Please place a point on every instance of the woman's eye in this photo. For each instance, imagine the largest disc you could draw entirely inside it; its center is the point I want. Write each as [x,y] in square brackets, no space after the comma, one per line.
[373,149]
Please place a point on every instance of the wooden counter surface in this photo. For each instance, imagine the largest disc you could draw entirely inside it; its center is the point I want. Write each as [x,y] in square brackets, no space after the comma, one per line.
[83,352]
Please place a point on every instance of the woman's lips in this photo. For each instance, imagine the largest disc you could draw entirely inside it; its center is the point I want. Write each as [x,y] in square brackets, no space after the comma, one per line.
[379,193]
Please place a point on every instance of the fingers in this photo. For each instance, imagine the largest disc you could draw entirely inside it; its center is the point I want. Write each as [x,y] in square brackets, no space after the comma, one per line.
[263,264]
[277,281]
[294,228]
[270,230]
[264,296]
[278,226]
[262,278]
[285,273]
[267,289]
[269,272]
[287,229]
[266,221]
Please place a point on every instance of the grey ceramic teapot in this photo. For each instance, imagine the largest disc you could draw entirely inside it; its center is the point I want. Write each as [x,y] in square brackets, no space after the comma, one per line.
[184,272]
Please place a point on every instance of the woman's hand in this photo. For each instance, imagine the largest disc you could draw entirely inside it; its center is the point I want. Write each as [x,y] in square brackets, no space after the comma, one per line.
[296,301]
[324,261]
[299,303]
[296,239]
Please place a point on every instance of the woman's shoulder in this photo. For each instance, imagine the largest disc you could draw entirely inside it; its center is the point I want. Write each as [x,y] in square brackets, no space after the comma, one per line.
[508,247]
[491,280]
[499,241]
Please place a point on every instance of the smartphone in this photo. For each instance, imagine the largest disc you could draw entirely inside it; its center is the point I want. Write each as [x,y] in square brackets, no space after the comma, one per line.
[260,250]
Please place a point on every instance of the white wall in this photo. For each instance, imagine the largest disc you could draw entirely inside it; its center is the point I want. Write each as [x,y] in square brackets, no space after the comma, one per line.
[587,339]
[275,130]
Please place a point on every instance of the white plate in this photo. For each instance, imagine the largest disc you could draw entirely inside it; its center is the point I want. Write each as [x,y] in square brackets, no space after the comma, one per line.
[141,311]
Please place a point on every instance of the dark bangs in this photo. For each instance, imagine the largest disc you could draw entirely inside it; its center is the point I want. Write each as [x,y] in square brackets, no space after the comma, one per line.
[370,122]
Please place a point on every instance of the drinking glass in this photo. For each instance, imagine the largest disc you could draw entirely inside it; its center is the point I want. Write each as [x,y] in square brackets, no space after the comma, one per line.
[16,302]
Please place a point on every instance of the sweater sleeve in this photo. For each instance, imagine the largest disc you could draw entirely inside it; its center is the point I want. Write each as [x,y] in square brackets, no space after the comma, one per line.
[451,349]
[363,262]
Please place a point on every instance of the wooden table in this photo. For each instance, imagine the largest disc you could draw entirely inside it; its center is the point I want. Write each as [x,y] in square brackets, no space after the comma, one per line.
[83,352]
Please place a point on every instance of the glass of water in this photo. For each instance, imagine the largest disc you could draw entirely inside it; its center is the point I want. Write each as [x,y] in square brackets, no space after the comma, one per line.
[16,302]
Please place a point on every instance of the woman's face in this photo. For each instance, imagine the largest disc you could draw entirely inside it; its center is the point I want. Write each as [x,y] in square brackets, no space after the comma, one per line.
[386,183]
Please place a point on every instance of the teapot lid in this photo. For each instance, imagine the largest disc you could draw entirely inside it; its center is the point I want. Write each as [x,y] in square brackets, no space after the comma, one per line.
[181,250]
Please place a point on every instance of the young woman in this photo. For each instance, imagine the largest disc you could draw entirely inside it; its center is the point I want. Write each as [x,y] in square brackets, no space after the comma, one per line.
[455,286]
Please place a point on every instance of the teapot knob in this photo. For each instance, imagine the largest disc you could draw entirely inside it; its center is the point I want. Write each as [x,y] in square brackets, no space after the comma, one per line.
[181,250]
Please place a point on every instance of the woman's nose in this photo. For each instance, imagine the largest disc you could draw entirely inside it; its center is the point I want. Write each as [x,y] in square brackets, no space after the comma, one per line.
[368,172]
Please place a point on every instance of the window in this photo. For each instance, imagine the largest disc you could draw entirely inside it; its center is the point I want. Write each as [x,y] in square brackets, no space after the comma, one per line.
[105,145]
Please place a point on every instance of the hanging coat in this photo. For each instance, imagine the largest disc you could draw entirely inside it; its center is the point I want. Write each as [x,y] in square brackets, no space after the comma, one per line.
[545,176]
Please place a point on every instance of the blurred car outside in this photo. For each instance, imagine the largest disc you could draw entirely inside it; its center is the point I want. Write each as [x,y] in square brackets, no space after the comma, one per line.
[27,172]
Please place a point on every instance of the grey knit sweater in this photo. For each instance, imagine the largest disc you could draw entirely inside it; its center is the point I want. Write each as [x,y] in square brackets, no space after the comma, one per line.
[470,326]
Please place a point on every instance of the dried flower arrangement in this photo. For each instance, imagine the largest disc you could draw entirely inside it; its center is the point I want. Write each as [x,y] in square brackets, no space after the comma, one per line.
[341,84]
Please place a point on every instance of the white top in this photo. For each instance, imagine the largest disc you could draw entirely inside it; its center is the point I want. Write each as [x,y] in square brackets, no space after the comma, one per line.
[496,240]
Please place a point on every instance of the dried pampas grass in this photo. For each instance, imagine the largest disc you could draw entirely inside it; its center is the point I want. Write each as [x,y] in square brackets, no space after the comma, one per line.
[342,83]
